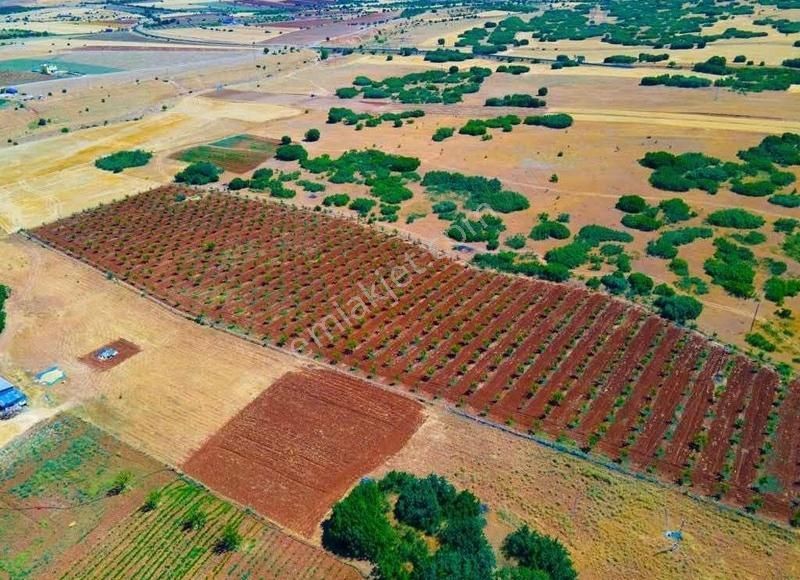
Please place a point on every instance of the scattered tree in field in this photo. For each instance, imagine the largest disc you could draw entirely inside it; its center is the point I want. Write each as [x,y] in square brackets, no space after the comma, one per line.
[631,204]
[230,541]
[312,135]
[443,133]
[5,292]
[199,174]
[121,482]
[537,552]
[735,218]
[336,200]
[121,160]
[678,308]
[291,152]
[760,342]
[238,183]
[152,501]
[194,520]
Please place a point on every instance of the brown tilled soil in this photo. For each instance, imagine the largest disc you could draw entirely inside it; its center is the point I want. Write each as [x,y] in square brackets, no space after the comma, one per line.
[125,348]
[299,446]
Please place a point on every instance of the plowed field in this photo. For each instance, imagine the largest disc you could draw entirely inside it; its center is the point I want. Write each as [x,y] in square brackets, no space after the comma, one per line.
[296,449]
[495,345]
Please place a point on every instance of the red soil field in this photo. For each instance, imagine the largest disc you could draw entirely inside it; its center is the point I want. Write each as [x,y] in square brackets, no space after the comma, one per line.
[125,349]
[541,357]
[299,446]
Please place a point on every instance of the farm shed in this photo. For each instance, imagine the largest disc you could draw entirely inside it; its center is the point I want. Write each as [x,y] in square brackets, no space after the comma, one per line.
[12,400]
[50,376]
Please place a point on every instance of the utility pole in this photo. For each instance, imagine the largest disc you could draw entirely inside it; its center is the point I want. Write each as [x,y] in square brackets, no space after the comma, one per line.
[755,314]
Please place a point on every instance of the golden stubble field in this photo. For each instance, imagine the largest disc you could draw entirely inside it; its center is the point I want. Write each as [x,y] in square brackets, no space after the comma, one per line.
[612,524]
[47,179]
[186,382]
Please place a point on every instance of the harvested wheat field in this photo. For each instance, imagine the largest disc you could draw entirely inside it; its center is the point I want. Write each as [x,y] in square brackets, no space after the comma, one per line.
[296,449]
[612,524]
[186,382]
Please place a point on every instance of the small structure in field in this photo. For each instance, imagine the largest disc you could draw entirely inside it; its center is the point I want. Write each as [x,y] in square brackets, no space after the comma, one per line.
[50,376]
[12,400]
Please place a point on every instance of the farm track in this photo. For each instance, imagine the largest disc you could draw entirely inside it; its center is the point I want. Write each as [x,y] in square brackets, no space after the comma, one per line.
[537,355]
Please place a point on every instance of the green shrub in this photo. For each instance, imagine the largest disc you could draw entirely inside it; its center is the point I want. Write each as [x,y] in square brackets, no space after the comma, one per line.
[776,289]
[346,92]
[362,205]
[536,552]
[732,268]
[443,133]
[620,59]
[716,65]
[238,183]
[336,200]
[677,308]
[516,100]
[791,201]
[615,283]
[199,174]
[786,225]
[312,135]
[666,245]
[631,204]
[516,242]
[596,234]
[291,152]
[121,160]
[758,341]
[641,221]
[735,218]
[753,188]
[571,255]
[680,81]
[679,267]
[551,120]
[791,246]
[547,229]
[751,238]
[675,210]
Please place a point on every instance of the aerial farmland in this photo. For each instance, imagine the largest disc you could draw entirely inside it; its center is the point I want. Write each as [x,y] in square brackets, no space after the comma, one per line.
[403,290]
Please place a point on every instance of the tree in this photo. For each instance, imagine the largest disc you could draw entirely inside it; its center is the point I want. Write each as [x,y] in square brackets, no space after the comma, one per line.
[678,308]
[291,152]
[358,526]
[230,540]
[641,284]
[194,520]
[418,506]
[285,140]
[152,501]
[120,483]
[539,552]
[199,174]
[312,135]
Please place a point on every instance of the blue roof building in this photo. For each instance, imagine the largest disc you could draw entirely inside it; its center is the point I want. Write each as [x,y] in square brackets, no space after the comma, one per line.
[11,398]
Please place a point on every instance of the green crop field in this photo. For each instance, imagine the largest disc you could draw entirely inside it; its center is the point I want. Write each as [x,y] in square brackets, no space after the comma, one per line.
[159,544]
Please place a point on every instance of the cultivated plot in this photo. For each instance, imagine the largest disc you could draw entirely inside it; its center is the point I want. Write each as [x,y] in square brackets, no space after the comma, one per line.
[298,447]
[538,356]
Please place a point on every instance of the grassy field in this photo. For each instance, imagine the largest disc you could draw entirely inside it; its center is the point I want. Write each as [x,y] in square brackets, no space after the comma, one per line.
[27,64]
